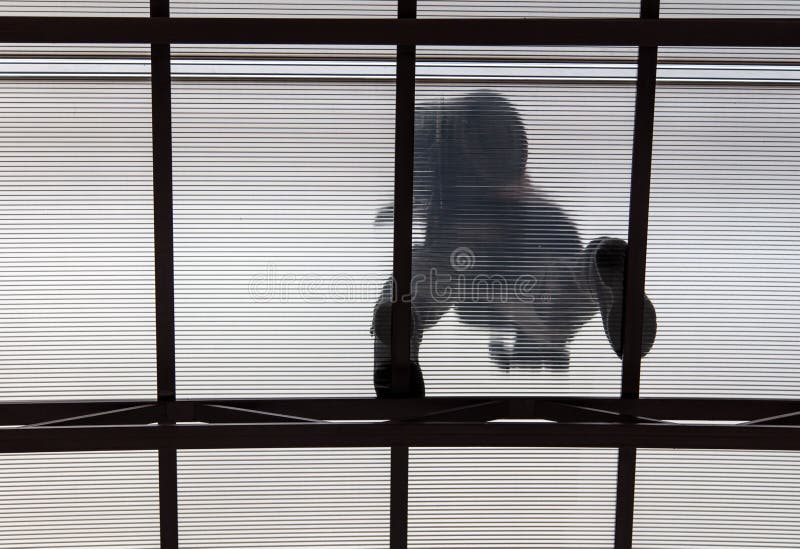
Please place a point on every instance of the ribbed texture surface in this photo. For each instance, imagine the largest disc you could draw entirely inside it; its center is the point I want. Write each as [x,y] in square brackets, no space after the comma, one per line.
[579,142]
[768,58]
[279,177]
[528,8]
[78,500]
[730,8]
[732,56]
[75,8]
[278,261]
[697,499]
[279,51]
[723,245]
[76,299]
[284,498]
[381,8]
[291,8]
[69,51]
[511,497]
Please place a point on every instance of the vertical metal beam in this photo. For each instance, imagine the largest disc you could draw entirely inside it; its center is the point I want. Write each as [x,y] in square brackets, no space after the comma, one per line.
[162,215]
[626,489]
[639,205]
[164,275]
[635,269]
[405,84]
[403,207]
[398,507]
[168,498]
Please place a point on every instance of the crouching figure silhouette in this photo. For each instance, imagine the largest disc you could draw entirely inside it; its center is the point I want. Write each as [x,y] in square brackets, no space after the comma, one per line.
[497,250]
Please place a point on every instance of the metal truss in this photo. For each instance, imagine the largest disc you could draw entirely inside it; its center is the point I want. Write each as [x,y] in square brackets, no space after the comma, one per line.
[433,421]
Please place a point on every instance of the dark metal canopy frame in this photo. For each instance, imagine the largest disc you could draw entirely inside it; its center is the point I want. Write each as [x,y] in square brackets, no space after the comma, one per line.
[627,423]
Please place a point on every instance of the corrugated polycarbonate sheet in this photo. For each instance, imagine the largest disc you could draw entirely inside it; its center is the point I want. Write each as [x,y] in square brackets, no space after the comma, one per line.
[730,8]
[527,8]
[77,307]
[775,58]
[287,8]
[723,242]
[696,56]
[294,51]
[70,51]
[278,260]
[730,56]
[578,125]
[284,498]
[84,8]
[733,499]
[722,162]
[79,500]
[521,53]
[511,497]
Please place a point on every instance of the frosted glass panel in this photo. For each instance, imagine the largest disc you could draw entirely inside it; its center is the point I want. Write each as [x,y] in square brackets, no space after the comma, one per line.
[76,500]
[488,218]
[77,308]
[278,261]
[301,498]
[511,497]
[733,499]
[723,242]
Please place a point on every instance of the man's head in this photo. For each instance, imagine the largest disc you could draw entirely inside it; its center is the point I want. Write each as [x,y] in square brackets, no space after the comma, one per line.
[470,146]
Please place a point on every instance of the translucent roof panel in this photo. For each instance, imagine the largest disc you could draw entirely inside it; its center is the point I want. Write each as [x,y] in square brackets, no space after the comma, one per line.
[733,499]
[511,497]
[730,8]
[77,314]
[77,500]
[280,170]
[577,120]
[723,246]
[300,498]
[288,8]
[75,8]
[528,8]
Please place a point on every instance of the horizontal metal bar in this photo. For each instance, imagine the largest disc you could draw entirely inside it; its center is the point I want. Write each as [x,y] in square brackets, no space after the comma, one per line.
[385,434]
[554,32]
[528,407]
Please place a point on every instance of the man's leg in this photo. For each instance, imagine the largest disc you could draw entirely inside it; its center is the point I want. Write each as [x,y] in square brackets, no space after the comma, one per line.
[548,316]
[430,299]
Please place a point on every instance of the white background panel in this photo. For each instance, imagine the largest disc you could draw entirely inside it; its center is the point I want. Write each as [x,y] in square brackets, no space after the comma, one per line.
[282,498]
[79,500]
[77,308]
[511,497]
[692,499]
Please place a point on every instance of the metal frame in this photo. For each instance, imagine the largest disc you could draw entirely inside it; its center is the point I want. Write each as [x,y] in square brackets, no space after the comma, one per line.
[454,32]
[635,267]
[627,422]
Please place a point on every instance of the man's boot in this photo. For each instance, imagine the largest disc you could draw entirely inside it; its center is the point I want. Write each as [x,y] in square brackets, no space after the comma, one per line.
[382,376]
[604,271]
